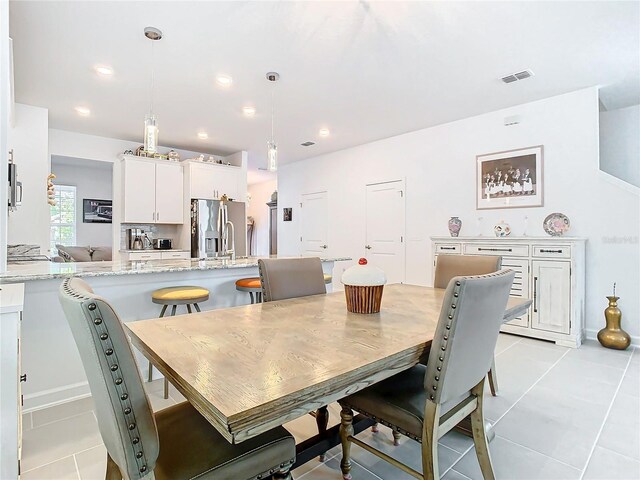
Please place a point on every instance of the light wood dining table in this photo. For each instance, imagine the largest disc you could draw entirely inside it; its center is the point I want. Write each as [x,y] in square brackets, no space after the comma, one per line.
[248,369]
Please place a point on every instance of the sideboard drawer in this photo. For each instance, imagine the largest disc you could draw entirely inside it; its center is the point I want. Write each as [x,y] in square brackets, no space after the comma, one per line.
[547,251]
[448,248]
[137,256]
[497,249]
[179,255]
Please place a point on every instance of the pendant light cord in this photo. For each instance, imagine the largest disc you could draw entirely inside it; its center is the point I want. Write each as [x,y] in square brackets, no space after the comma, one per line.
[273,103]
[152,76]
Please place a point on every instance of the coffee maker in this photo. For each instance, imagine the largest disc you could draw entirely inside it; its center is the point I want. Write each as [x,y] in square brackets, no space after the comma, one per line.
[137,239]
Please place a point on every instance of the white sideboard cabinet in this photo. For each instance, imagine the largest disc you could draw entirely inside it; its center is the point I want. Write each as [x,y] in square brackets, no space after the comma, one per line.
[549,270]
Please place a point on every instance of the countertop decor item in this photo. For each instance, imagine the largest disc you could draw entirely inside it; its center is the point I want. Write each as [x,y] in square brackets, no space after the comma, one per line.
[612,336]
[174,156]
[556,224]
[502,229]
[511,179]
[51,190]
[455,224]
[363,285]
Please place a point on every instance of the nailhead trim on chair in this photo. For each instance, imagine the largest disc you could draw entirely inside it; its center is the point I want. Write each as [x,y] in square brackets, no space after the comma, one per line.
[111,356]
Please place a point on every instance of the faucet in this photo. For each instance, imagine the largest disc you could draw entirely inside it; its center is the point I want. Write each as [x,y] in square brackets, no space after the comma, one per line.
[230,252]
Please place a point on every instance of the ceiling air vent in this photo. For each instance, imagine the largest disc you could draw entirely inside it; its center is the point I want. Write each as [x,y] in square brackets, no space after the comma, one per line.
[307,144]
[514,77]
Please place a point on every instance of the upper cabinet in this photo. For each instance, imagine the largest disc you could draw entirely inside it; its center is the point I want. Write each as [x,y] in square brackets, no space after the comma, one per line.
[211,181]
[152,191]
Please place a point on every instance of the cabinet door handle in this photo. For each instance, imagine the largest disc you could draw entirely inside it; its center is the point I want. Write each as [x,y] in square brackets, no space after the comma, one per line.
[323,246]
[157,215]
[447,248]
[23,377]
[535,294]
[542,250]
[495,249]
[368,247]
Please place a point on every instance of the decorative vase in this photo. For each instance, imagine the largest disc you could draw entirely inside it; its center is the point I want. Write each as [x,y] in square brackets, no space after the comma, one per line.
[455,224]
[502,229]
[612,336]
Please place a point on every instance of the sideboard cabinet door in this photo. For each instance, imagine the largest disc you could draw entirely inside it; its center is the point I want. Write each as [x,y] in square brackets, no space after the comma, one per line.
[551,308]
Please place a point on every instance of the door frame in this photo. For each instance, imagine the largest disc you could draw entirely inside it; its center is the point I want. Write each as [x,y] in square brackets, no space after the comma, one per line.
[403,181]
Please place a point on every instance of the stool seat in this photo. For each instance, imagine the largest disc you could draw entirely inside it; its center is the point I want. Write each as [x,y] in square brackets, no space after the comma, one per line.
[328,278]
[246,284]
[179,295]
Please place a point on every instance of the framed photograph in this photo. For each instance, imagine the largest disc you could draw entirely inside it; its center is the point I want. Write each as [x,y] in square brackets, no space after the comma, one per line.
[511,179]
[287,214]
[96,211]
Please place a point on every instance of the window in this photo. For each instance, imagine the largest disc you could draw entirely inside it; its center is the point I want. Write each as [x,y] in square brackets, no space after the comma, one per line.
[63,217]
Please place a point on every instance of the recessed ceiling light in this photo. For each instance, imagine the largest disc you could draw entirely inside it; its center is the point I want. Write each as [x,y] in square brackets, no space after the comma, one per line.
[103,70]
[203,135]
[224,80]
[324,132]
[83,111]
[249,111]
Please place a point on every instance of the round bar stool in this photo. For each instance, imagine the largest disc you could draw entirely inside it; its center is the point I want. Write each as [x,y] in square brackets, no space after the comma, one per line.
[174,296]
[251,285]
[327,279]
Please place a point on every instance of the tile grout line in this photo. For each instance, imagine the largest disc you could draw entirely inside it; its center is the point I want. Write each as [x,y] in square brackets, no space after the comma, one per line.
[514,343]
[539,453]
[511,407]
[63,458]
[604,420]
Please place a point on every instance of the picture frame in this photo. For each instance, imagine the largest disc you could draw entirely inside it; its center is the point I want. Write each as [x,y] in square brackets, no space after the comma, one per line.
[287,214]
[96,211]
[510,179]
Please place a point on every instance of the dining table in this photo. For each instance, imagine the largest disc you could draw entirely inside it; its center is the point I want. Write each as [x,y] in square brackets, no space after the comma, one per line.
[250,368]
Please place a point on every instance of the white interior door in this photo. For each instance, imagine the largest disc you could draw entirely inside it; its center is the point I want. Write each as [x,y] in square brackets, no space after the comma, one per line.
[385,228]
[314,221]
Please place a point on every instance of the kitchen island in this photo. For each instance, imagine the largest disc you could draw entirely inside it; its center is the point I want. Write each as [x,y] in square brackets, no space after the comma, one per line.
[49,355]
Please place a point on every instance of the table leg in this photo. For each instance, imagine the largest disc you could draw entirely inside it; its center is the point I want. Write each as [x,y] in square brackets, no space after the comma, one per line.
[322,420]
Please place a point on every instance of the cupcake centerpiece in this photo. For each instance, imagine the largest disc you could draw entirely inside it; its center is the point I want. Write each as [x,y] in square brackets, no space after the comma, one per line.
[363,286]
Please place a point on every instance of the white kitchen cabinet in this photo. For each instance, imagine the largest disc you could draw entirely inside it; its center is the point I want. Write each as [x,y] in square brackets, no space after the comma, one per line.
[11,306]
[139,193]
[169,193]
[175,255]
[211,181]
[551,309]
[549,270]
[152,191]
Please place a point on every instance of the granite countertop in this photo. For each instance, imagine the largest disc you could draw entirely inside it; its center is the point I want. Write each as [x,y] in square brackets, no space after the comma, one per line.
[23,272]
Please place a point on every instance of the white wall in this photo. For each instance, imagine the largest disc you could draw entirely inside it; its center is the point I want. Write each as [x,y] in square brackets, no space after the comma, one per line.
[620,143]
[439,165]
[29,141]
[92,180]
[258,209]
[5,78]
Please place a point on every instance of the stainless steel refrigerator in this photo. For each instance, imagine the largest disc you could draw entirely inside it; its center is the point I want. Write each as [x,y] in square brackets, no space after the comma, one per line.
[218,229]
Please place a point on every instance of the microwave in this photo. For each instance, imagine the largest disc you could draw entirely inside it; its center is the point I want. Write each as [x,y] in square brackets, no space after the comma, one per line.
[162,243]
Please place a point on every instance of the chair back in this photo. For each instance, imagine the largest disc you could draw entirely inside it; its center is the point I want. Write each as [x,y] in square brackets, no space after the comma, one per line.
[449,266]
[125,417]
[465,339]
[284,278]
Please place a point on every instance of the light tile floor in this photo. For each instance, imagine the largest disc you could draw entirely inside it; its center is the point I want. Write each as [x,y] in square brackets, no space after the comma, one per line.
[561,414]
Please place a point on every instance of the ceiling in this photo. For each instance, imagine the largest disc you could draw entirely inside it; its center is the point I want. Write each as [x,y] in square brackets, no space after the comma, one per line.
[365,70]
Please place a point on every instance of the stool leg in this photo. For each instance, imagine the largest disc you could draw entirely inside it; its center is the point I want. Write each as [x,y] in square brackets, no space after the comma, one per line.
[173,310]
[188,308]
[195,305]
[164,309]
[259,295]
[150,371]
[251,295]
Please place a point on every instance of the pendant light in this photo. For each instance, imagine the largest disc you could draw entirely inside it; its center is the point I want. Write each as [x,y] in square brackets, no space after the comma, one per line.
[150,121]
[272,148]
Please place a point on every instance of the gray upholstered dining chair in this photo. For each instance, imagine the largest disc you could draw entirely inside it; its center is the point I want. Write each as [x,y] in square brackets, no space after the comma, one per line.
[425,402]
[172,444]
[284,278]
[449,266]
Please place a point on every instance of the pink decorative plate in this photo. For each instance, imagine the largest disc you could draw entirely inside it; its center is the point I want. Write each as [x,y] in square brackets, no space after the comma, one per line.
[556,224]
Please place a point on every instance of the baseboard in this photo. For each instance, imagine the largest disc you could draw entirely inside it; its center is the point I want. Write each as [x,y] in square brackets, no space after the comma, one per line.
[55,396]
[593,335]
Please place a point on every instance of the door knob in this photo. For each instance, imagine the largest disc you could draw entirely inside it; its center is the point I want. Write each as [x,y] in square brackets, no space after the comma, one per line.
[323,246]
[368,247]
